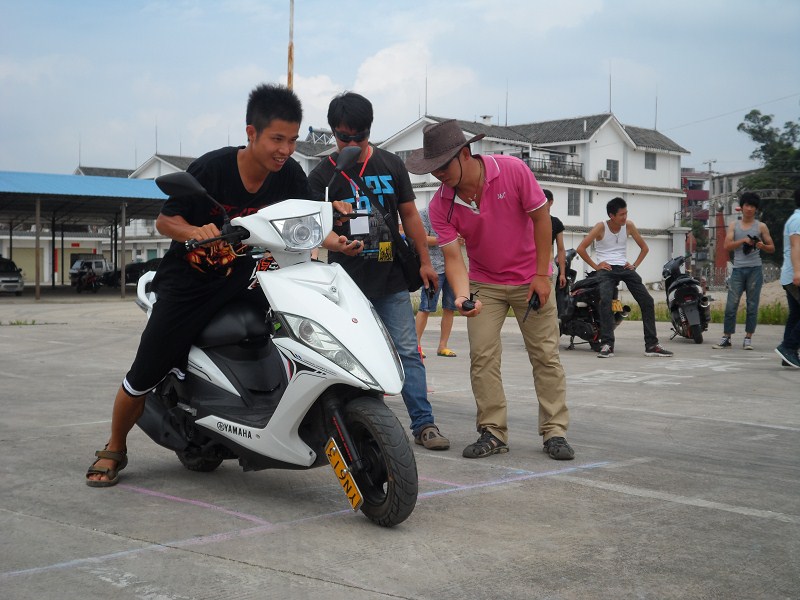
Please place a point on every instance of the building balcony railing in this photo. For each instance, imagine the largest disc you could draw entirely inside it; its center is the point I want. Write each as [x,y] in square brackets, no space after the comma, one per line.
[560,168]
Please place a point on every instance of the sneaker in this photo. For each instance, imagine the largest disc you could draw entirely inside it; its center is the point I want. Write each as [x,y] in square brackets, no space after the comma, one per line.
[486,445]
[747,344]
[725,342]
[431,438]
[606,351]
[559,449]
[657,351]
[789,356]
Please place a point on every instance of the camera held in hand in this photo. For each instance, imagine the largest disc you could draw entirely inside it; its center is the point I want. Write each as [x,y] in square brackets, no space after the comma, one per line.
[748,248]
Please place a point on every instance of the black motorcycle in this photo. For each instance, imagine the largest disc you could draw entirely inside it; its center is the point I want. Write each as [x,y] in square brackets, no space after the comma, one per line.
[579,307]
[689,307]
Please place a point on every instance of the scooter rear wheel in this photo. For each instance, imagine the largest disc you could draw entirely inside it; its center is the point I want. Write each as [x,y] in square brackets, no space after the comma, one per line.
[388,481]
[697,333]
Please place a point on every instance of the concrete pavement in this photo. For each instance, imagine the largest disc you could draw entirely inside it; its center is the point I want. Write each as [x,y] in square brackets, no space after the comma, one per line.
[686,483]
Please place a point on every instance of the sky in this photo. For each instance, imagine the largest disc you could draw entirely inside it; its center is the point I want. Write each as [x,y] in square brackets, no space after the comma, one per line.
[108,83]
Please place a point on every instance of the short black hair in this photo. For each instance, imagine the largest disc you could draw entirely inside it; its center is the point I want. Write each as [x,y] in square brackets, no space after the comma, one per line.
[271,101]
[548,194]
[750,198]
[351,110]
[615,205]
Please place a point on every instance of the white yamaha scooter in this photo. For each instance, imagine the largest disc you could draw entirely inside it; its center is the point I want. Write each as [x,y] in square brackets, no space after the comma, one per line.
[298,387]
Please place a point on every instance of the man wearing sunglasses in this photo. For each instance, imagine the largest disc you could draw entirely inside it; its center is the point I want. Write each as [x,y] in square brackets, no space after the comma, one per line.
[495,203]
[379,177]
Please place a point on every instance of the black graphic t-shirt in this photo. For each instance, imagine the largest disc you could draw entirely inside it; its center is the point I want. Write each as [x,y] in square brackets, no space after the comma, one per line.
[558,227]
[384,179]
[184,275]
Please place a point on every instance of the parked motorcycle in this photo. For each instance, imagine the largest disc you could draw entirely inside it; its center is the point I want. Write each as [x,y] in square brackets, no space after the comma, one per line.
[579,307]
[689,307]
[88,281]
[300,387]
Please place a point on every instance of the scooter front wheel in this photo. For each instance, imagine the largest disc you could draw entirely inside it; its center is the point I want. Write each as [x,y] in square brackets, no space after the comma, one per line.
[388,479]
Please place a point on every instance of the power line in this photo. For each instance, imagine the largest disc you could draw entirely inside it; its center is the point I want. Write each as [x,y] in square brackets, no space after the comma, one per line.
[733,112]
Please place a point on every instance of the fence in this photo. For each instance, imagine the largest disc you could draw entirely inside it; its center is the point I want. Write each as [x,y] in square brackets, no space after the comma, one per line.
[717,277]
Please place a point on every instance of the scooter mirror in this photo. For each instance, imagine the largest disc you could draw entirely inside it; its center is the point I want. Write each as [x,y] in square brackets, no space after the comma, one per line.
[180,184]
[347,157]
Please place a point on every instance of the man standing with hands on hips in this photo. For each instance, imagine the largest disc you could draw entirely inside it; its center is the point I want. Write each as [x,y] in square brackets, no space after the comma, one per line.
[611,266]
[489,200]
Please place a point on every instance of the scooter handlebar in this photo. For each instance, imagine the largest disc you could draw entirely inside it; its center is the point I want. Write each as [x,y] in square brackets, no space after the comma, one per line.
[236,234]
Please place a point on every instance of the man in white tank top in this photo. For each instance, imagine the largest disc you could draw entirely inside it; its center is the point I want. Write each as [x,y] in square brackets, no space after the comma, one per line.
[611,264]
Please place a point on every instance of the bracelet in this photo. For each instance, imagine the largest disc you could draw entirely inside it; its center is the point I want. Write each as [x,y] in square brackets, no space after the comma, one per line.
[540,275]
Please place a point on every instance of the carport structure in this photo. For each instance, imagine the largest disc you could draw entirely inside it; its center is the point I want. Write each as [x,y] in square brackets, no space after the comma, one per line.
[31,199]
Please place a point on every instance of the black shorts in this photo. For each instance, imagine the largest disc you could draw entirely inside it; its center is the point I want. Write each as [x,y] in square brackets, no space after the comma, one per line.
[174,325]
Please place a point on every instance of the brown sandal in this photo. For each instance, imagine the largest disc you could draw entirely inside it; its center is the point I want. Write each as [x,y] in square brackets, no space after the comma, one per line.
[121,459]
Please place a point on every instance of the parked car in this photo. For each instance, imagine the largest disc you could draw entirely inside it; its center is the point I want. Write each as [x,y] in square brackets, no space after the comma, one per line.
[135,270]
[11,279]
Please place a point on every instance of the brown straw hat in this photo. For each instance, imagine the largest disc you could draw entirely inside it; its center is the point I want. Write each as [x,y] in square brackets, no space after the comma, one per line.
[441,142]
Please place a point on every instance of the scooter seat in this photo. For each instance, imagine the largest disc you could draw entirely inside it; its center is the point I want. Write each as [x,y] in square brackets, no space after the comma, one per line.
[234,323]
[586,284]
[681,281]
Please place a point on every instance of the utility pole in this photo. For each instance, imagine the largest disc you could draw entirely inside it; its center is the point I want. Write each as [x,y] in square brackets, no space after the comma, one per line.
[290,75]
[716,224]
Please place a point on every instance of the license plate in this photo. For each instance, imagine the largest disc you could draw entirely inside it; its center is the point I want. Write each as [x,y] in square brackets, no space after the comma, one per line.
[616,306]
[343,474]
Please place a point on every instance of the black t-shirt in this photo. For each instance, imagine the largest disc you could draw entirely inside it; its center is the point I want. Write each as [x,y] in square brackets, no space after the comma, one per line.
[558,227]
[183,275]
[385,180]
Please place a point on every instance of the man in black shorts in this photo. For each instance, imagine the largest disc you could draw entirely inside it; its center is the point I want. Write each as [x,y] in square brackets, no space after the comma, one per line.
[193,286]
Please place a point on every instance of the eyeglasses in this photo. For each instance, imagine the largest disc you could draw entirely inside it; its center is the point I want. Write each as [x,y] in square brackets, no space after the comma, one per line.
[358,137]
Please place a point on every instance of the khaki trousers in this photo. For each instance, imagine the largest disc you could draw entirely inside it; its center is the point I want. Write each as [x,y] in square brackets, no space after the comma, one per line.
[540,334]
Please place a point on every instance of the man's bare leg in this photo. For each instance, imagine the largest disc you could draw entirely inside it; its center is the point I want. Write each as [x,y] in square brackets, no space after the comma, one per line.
[446,328]
[127,410]
[420,322]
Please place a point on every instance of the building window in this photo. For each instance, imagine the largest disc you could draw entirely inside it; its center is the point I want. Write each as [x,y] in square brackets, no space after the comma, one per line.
[612,166]
[573,149]
[573,202]
[403,154]
[650,160]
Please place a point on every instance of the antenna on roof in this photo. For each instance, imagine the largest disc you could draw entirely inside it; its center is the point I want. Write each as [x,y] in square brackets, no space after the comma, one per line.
[426,89]
[655,122]
[506,101]
[609,86]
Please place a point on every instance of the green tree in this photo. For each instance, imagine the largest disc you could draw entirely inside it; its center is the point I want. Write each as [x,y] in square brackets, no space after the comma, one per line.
[779,152]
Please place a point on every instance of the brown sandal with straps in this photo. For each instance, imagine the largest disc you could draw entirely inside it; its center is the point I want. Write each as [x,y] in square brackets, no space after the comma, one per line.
[121,459]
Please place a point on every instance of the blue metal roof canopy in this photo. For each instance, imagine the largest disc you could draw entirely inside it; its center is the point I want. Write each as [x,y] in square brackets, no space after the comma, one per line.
[75,199]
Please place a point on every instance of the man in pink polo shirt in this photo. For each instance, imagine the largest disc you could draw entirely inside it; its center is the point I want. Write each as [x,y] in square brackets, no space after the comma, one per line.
[495,203]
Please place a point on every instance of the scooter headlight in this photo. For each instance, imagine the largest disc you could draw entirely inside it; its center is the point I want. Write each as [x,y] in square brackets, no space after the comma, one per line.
[300,233]
[315,336]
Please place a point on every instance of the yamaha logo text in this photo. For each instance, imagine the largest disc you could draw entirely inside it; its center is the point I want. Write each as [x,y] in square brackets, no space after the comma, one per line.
[235,430]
